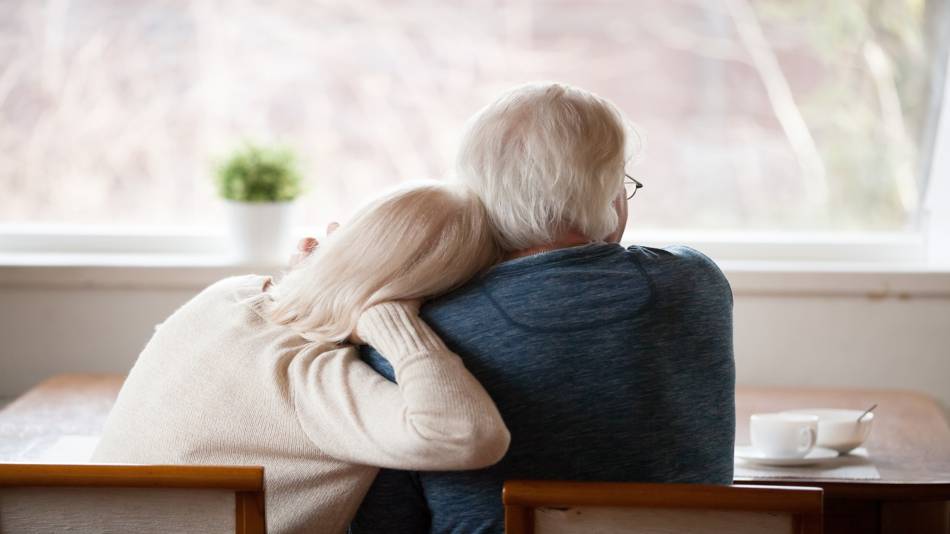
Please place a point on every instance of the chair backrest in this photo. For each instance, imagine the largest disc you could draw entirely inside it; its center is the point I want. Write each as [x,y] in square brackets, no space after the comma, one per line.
[549,507]
[131,498]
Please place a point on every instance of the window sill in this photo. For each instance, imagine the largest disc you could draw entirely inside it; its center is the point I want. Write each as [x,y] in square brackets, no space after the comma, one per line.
[120,271]
[874,280]
[871,280]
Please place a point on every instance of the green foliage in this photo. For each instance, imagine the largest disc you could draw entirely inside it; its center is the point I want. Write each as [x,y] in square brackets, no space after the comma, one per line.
[260,174]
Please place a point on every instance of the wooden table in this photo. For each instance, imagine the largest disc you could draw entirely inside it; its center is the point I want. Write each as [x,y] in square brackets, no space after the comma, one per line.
[33,426]
[909,445]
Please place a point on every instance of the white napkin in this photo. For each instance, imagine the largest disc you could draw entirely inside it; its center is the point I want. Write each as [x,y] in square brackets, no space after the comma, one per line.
[852,466]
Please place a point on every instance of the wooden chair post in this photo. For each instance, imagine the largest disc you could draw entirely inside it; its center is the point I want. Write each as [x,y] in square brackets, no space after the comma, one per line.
[518,519]
[249,512]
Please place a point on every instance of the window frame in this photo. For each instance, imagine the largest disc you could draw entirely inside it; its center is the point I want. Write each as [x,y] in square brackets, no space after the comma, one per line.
[851,268]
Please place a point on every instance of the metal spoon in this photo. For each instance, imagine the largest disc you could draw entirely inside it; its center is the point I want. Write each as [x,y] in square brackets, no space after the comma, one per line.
[867,412]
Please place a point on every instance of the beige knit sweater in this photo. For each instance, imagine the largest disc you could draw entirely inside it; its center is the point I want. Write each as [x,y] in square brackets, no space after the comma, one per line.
[218,384]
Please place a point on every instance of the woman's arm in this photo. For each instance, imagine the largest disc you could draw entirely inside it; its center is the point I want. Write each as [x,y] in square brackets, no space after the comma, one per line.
[437,417]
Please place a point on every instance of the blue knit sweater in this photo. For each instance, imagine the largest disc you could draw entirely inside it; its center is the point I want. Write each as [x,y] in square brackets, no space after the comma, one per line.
[607,364]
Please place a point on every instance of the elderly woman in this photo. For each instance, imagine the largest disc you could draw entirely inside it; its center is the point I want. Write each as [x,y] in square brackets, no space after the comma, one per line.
[254,372]
[607,363]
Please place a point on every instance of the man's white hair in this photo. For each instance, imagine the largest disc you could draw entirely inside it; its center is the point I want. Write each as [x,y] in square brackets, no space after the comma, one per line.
[546,158]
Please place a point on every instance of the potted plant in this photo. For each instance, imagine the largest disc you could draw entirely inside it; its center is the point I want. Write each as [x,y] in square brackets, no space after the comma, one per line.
[260,185]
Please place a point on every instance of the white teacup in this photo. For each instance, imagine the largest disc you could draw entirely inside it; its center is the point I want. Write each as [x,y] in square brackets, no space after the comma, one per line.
[840,429]
[779,435]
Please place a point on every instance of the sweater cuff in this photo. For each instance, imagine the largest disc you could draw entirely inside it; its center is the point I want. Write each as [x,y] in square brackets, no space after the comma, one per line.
[396,330]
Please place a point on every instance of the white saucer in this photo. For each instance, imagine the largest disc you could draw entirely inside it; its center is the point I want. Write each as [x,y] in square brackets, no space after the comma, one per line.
[818,455]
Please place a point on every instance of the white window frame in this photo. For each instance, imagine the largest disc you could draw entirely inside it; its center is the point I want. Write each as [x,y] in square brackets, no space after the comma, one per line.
[935,208]
[23,244]
[875,266]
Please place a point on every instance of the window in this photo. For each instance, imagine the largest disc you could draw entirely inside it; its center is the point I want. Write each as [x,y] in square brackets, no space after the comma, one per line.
[765,115]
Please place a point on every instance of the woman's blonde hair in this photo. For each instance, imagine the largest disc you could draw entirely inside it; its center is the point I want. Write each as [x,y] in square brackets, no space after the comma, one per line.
[411,244]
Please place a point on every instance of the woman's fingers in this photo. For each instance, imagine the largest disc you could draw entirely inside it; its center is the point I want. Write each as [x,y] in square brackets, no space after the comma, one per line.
[304,247]
[307,244]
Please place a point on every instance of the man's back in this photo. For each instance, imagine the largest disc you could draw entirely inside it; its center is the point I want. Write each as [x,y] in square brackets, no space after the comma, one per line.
[606,364]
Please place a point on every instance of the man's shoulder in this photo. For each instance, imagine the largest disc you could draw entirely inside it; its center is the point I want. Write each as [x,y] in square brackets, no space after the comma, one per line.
[679,256]
[682,266]
[677,266]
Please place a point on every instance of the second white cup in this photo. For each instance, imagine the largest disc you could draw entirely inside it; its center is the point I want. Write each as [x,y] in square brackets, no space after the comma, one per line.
[778,435]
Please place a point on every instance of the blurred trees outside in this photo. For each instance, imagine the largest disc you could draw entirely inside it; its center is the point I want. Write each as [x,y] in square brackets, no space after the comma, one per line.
[767,115]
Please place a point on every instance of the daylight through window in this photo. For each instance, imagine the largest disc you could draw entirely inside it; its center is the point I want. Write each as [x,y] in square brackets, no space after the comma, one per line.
[756,114]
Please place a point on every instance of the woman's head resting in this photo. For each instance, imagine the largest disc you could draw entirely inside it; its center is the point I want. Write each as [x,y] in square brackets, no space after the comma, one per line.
[414,243]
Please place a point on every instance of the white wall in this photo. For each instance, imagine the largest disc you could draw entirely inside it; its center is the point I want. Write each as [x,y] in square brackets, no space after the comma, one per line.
[44,331]
[845,341]
[897,341]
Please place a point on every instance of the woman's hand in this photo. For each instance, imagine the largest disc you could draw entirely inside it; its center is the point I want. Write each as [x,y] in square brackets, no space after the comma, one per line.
[307,245]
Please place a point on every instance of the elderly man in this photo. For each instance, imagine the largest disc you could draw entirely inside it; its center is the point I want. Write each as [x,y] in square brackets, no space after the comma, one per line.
[607,363]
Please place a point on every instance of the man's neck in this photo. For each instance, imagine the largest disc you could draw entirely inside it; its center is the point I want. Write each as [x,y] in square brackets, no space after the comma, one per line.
[568,239]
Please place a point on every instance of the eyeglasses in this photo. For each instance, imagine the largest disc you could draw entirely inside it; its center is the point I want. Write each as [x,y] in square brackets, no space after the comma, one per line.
[631,181]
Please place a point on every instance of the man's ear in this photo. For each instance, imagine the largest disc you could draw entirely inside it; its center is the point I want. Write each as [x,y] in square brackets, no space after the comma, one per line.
[620,206]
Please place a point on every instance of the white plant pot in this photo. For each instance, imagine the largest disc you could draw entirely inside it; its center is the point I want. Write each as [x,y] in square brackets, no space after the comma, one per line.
[261,232]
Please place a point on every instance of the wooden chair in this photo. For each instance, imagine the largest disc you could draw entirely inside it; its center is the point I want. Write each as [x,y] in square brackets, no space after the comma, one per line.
[548,507]
[131,498]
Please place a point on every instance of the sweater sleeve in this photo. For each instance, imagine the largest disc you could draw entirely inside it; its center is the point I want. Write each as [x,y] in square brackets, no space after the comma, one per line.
[437,417]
